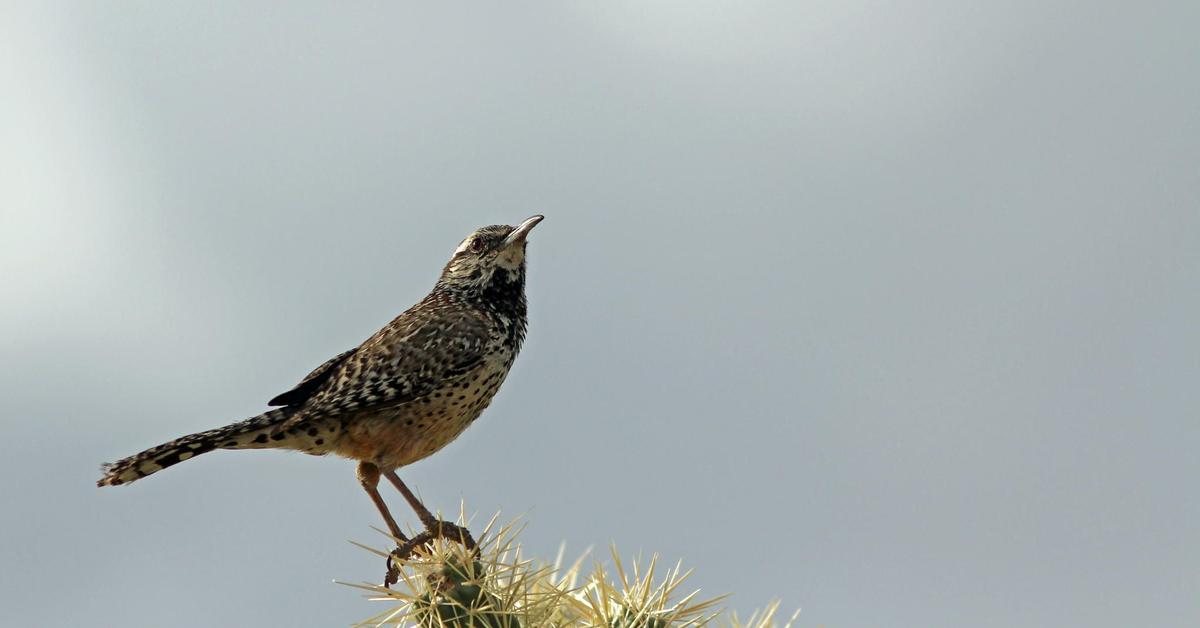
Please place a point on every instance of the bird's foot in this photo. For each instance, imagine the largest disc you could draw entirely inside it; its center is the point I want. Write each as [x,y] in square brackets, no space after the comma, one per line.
[438,530]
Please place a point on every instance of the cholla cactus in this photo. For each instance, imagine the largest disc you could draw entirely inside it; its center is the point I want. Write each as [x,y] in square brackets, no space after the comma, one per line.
[444,586]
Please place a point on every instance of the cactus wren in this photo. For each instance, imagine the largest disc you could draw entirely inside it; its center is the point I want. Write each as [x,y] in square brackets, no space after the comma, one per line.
[401,395]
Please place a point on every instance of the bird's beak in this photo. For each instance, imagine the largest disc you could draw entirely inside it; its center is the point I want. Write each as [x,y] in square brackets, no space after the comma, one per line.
[522,230]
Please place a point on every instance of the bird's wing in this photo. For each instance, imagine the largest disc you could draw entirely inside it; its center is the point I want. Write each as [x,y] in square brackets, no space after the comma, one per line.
[406,360]
[311,383]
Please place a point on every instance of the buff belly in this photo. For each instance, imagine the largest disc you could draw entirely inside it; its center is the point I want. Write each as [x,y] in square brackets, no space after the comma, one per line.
[404,434]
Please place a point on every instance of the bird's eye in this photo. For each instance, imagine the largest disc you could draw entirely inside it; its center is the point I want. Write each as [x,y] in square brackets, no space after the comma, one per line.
[477,245]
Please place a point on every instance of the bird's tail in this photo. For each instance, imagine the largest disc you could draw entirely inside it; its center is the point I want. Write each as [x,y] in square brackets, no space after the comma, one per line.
[253,433]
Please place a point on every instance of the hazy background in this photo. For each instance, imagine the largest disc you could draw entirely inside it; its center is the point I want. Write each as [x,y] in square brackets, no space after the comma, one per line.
[888,310]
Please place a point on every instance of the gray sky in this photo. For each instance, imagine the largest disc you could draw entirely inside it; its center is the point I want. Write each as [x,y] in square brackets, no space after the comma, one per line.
[885,310]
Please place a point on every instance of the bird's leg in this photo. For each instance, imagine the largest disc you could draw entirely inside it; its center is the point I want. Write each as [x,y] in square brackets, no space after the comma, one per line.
[423,513]
[434,528]
[368,476]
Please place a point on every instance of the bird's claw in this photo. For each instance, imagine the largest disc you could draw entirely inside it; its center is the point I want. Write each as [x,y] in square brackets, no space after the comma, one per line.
[440,529]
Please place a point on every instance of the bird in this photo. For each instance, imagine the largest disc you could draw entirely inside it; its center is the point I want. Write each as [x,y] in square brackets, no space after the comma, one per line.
[400,396]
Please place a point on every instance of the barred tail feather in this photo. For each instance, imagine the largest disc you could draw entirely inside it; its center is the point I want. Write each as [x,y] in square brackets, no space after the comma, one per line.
[253,433]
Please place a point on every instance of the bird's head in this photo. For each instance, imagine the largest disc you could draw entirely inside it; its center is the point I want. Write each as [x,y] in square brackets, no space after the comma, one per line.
[491,258]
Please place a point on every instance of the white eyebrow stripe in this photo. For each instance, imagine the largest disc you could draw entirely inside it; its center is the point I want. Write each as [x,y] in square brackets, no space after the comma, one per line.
[463,246]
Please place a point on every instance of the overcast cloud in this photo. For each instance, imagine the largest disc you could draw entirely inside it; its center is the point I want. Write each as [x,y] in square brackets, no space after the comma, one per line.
[887,310]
